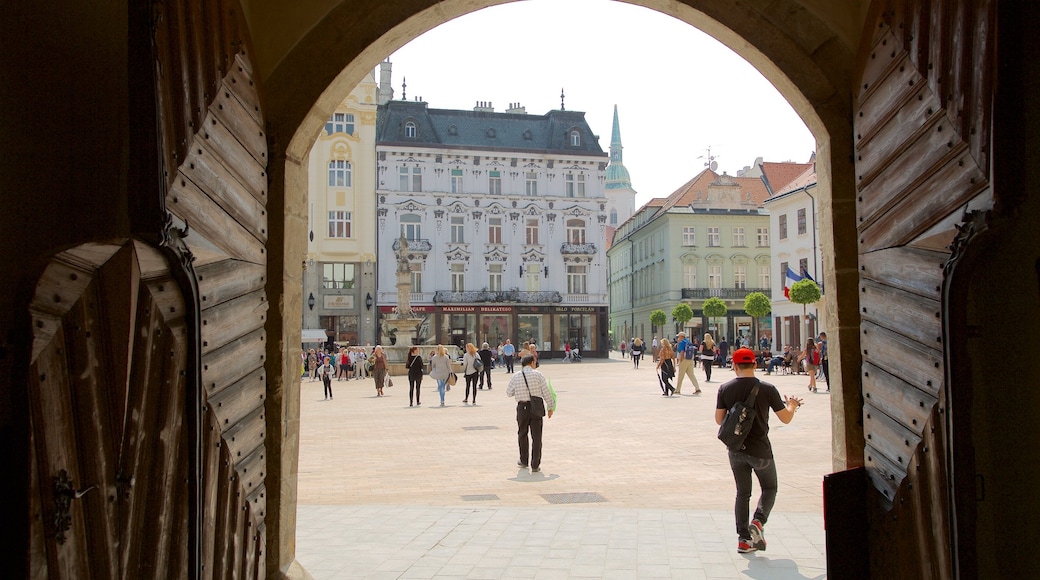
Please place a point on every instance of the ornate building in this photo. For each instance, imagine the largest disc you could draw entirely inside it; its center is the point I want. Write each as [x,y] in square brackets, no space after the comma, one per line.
[505,216]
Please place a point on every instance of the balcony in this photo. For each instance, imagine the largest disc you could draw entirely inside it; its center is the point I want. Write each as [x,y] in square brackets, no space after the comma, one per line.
[589,249]
[723,293]
[484,296]
[414,245]
[585,299]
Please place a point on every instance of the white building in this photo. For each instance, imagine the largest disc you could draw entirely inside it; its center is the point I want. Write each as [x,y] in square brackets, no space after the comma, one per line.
[796,245]
[339,278]
[505,216]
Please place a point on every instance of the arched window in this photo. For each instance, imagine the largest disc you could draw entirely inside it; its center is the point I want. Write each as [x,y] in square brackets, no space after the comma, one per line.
[576,232]
[339,173]
[575,138]
[409,130]
[411,227]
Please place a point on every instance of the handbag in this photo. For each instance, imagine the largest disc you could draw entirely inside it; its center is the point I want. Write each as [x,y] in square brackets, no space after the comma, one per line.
[738,422]
[478,364]
[537,403]
[452,379]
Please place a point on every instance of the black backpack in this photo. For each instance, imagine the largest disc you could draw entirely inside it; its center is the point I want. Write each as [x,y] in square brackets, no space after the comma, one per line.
[738,422]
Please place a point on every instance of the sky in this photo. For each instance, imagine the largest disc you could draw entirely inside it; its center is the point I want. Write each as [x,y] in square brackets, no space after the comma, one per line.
[678,91]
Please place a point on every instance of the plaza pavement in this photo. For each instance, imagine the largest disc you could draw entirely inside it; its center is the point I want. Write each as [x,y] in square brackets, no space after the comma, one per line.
[633,484]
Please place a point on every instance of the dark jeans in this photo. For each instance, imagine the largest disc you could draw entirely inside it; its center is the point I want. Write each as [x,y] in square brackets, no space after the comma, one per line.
[472,380]
[742,465]
[525,422]
[774,362]
[413,388]
[707,368]
[509,363]
[827,372]
[327,380]
[486,371]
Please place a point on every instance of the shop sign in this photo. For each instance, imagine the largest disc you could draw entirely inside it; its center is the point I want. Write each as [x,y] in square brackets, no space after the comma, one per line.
[458,309]
[496,309]
[339,302]
[577,309]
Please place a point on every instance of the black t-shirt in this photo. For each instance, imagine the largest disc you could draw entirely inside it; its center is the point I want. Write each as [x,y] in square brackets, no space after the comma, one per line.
[738,389]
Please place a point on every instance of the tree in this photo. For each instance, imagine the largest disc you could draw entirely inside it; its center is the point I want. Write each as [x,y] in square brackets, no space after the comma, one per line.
[682,313]
[804,292]
[714,307]
[658,318]
[757,305]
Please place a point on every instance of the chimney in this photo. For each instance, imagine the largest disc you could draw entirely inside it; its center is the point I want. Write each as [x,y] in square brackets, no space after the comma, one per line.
[386,92]
[515,108]
[483,107]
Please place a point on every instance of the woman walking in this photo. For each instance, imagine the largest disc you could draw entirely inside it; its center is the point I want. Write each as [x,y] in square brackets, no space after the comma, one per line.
[415,372]
[470,370]
[707,355]
[666,367]
[812,360]
[637,351]
[379,369]
[440,369]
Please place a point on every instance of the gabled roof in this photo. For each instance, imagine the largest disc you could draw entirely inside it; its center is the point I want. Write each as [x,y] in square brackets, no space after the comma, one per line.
[777,176]
[808,177]
[485,130]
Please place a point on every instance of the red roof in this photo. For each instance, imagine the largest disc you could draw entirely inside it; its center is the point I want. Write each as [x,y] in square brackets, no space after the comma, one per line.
[777,176]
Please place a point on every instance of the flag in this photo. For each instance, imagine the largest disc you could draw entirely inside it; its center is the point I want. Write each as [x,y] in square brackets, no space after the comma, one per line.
[807,276]
[791,279]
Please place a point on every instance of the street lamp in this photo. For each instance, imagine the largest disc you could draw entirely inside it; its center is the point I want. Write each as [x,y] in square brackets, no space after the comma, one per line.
[310,301]
[368,301]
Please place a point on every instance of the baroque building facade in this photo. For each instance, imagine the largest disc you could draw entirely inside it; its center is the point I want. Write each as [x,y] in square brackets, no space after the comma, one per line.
[504,215]
[339,272]
[710,238]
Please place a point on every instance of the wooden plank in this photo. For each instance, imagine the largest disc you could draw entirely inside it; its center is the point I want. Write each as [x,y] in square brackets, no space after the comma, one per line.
[257,500]
[908,269]
[888,94]
[243,437]
[902,357]
[886,137]
[204,168]
[916,317]
[231,405]
[882,58]
[938,49]
[229,363]
[897,398]
[892,440]
[261,550]
[231,112]
[211,490]
[883,473]
[252,470]
[227,279]
[225,322]
[246,168]
[37,521]
[227,485]
[166,296]
[980,104]
[239,83]
[208,220]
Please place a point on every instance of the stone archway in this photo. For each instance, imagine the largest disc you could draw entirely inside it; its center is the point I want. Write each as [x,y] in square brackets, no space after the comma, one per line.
[809,57]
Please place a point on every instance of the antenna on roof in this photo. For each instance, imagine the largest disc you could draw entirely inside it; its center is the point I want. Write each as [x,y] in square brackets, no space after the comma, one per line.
[710,162]
[562,108]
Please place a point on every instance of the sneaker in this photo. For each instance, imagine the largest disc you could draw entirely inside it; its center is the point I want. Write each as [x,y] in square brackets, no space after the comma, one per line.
[536,470]
[521,464]
[758,536]
[744,546]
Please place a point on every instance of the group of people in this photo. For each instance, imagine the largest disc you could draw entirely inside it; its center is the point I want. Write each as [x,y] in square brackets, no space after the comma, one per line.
[350,362]
[812,360]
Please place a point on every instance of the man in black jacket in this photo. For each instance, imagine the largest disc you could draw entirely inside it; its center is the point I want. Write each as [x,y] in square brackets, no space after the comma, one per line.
[487,359]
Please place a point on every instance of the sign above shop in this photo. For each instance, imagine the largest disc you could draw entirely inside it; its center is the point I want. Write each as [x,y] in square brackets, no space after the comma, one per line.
[339,302]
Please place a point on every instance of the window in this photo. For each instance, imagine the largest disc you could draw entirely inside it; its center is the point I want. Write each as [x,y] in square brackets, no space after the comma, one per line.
[714,240]
[575,138]
[337,276]
[575,185]
[714,276]
[340,123]
[689,237]
[575,232]
[613,217]
[458,230]
[532,183]
[495,277]
[494,230]
[339,224]
[458,277]
[416,276]
[494,182]
[739,276]
[803,267]
[763,239]
[410,178]
[576,280]
[783,226]
[533,277]
[738,237]
[763,277]
[411,227]
[339,173]
[801,221]
[783,274]
[409,130]
[689,275]
[456,181]
[532,232]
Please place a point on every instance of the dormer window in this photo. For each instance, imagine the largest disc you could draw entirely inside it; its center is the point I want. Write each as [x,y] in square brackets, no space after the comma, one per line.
[575,138]
[409,130]
[491,133]
[453,130]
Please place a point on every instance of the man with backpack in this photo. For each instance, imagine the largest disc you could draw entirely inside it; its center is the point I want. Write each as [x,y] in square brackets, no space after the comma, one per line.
[687,362]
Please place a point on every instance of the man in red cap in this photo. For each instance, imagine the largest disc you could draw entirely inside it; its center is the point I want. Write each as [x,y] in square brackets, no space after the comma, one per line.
[757,453]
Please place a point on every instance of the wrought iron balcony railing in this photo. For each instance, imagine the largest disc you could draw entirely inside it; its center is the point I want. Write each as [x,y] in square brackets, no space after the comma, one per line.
[414,245]
[477,296]
[578,249]
[724,293]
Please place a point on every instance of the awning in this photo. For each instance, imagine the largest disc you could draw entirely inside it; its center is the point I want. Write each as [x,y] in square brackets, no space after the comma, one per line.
[314,335]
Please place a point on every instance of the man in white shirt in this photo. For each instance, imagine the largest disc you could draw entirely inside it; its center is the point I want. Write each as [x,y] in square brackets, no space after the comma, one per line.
[524,385]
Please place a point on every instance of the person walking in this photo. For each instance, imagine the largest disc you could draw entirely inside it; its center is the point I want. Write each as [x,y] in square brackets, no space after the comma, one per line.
[523,386]
[470,370]
[440,369]
[622,347]
[344,364]
[415,373]
[723,358]
[379,369]
[637,351]
[655,349]
[824,364]
[312,365]
[533,351]
[666,367]
[326,370]
[757,452]
[707,355]
[508,350]
[687,355]
[487,359]
[811,356]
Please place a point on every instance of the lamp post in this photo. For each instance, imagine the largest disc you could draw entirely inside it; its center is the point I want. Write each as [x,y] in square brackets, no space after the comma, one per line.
[368,301]
[310,301]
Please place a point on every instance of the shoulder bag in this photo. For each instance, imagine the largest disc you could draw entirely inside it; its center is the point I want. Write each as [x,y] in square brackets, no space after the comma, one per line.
[738,422]
[537,404]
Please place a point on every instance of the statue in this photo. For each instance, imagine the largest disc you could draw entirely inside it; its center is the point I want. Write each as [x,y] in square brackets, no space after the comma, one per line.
[404,280]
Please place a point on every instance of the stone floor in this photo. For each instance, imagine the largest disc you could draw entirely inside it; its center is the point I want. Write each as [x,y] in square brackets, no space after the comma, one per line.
[633,484]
